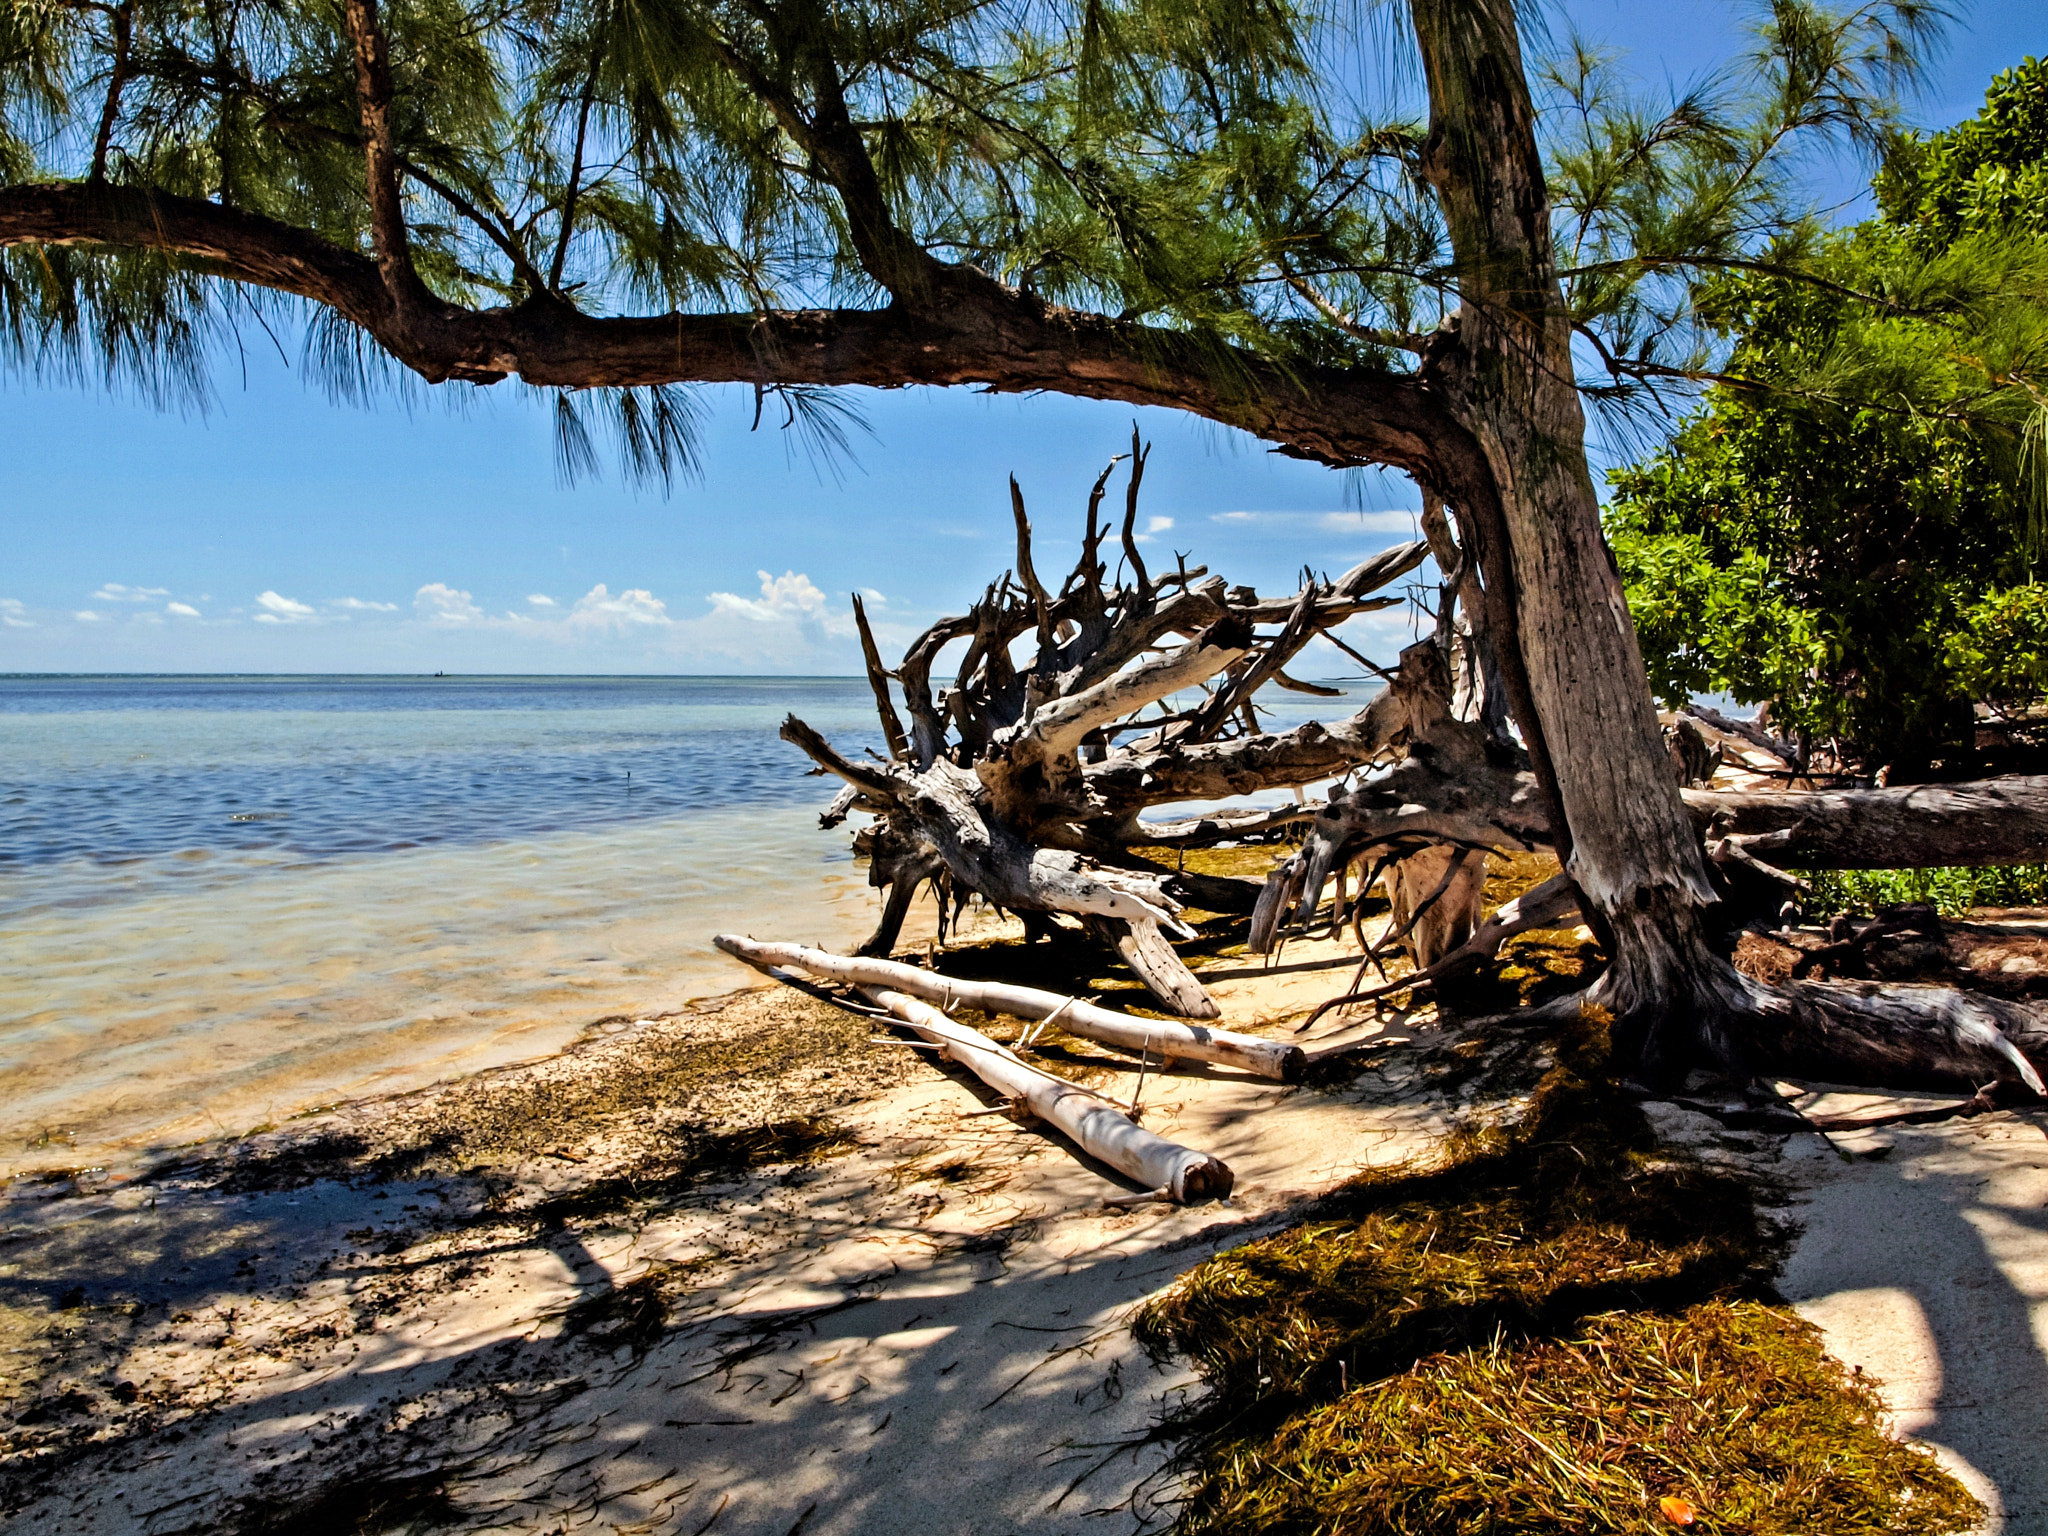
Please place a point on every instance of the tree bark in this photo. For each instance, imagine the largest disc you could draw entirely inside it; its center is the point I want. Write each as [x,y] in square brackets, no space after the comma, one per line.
[1989,821]
[1507,376]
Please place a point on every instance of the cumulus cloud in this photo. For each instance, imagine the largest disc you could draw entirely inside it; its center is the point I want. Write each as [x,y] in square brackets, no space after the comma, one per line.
[281,610]
[599,609]
[181,610]
[440,603]
[359,605]
[1158,524]
[86,616]
[115,592]
[13,613]
[792,595]
[540,600]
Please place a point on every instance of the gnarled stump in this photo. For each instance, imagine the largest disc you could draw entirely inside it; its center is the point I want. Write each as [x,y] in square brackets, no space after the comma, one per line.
[1023,782]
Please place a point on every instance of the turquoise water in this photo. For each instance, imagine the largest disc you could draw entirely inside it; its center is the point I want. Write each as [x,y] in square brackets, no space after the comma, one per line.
[226,900]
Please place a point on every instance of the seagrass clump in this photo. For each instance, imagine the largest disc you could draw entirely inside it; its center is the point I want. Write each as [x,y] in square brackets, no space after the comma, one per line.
[1557,1328]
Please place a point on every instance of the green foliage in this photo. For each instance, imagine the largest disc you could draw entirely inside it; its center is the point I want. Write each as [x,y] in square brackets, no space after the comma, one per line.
[1554,1330]
[1999,652]
[1953,892]
[1196,166]
[1981,176]
[1849,527]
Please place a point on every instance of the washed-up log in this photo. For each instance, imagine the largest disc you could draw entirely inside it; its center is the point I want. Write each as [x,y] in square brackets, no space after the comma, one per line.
[1988,821]
[1165,1039]
[1893,1036]
[1099,1128]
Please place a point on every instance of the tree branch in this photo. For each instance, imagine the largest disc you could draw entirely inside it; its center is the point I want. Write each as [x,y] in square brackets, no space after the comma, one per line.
[380,160]
[575,167]
[988,335]
[123,19]
[1139,453]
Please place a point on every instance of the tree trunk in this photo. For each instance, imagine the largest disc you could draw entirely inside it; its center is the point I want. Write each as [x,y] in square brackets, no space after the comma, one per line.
[1586,712]
[1990,821]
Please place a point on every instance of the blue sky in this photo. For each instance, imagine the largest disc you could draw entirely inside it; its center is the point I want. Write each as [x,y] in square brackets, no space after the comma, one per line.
[279,532]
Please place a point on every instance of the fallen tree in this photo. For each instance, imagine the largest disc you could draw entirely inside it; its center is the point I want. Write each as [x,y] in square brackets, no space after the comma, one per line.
[1023,781]
[1455,789]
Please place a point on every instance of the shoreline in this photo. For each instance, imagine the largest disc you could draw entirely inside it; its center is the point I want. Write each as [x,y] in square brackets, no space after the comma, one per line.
[204,1087]
[756,1271]
[346,1248]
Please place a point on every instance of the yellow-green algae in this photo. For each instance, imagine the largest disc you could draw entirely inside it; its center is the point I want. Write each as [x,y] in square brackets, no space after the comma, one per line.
[1552,1329]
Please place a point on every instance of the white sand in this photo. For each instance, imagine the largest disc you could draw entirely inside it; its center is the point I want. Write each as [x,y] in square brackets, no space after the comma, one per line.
[1928,1267]
[928,1336]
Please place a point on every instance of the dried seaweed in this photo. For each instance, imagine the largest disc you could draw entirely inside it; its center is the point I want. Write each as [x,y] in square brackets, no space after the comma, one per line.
[1551,1329]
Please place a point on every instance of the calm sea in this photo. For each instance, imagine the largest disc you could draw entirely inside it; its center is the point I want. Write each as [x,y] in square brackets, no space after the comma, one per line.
[224,900]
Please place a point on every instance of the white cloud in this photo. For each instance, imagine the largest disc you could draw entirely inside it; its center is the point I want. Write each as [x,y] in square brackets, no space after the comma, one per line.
[182,610]
[1158,524]
[358,605]
[598,609]
[792,595]
[86,616]
[874,597]
[147,616]
[540,600]
[280,610]
[11,611]
[115,592]
[443,604]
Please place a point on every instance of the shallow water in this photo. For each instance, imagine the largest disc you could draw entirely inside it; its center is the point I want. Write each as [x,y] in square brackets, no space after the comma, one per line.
[226,900]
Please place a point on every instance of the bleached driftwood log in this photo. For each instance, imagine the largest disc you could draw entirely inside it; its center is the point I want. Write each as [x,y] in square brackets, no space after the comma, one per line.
[1165,1039]
[1986,821]
[1023,782]
[1100,1128]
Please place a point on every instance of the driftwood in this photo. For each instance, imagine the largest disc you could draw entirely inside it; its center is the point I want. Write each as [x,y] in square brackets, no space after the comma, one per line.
[1023,781]
[1458,789]
[1550,904]
[1100,1128]
[1988,821]
[1166,1040]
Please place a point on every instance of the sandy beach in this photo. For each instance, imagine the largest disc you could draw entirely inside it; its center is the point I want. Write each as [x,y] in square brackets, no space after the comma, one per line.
[547,1298]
